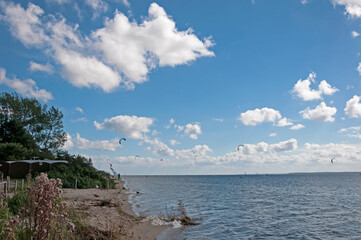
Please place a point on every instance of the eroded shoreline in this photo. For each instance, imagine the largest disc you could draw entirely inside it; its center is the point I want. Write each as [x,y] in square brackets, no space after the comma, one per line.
[109,214]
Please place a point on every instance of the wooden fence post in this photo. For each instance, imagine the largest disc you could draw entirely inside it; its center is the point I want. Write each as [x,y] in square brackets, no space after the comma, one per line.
[107,184]
[76,183]
[22,184]
[8,183]
[16,185]
[5,188]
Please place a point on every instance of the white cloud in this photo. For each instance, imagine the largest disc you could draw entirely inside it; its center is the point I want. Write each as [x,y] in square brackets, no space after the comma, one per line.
[302,89]
[135,49]
[353,107]
[258,116]
[87,72]
[297,127]
[126,3]
[27,87]
[25,25]
[284,122]
[355,34]
[193,130]
[198,151]
[273,134]
[42,68]
[159,147]
[304,2]
[357,128]
[120,54]
[353,132]
[321,113]
[170,123]
[104,145]
[82,119]
[58,1]
[217,119]
[131,126]
[359,68]
[98,6]
[79,109]
[69,144]
[265,148]
[352,7]
[173,142]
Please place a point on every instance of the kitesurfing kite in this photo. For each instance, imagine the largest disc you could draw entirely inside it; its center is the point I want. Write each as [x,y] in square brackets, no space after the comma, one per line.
[332,160]
[120,140]
[239,147]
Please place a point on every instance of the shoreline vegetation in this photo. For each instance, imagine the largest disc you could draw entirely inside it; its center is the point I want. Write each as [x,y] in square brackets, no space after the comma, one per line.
[48,206]
[43,210]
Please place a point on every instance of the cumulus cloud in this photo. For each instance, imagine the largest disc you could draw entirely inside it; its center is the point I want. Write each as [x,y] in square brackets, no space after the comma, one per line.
[191,130]
[120,54]
[258,116]
[263,147]
[170,123]
[284,122]
[297,127]
[352,7]
[173,142]
[302,89]
[27,87]
[104,145]
[131,126]
[135,49]
[273,134]
[69,144]
[355,34]
[159,148]
[353,132]
[198,151]
[353,107]
[87,72]
[25,25]
[321,113]
[42,68]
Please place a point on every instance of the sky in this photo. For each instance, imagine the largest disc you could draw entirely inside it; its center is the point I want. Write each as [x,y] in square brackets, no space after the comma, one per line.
[225,87]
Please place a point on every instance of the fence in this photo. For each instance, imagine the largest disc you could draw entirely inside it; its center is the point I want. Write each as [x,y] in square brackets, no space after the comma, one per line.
[9,186]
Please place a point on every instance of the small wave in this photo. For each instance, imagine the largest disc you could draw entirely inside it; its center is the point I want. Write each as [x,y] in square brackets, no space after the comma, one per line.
[161,222]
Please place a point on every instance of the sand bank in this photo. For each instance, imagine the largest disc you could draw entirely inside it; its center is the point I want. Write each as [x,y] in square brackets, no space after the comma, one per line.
[108,213]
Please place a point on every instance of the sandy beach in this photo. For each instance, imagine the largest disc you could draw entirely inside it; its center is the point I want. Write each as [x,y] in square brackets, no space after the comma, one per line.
[109,215]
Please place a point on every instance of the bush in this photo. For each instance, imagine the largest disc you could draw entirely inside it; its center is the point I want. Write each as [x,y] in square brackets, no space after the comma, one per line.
[43,215]
[87,176]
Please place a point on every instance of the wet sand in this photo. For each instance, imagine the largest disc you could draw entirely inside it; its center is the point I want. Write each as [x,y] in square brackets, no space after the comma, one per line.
[109,213]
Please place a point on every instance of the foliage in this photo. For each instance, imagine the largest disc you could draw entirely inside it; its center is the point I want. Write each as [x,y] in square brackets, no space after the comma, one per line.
[43,216]
[17,202]
[12,151]
[87,177]
[43,124]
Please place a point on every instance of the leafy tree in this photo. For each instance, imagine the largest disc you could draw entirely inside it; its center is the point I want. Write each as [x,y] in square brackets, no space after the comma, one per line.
[43,124]
[12,151]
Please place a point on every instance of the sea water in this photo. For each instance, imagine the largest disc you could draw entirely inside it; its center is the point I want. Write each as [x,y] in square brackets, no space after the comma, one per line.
[289,206]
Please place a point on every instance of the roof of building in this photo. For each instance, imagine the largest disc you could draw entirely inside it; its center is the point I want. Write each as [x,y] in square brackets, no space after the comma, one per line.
[37,161]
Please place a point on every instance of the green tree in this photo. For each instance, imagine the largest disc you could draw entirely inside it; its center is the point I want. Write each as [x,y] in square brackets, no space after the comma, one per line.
[12,151]
[43,124]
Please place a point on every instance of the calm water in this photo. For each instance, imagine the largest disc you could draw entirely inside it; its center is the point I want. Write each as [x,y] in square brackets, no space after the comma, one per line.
[302,206]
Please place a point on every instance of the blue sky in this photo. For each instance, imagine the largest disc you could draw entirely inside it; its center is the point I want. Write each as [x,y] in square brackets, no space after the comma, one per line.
[187,82]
